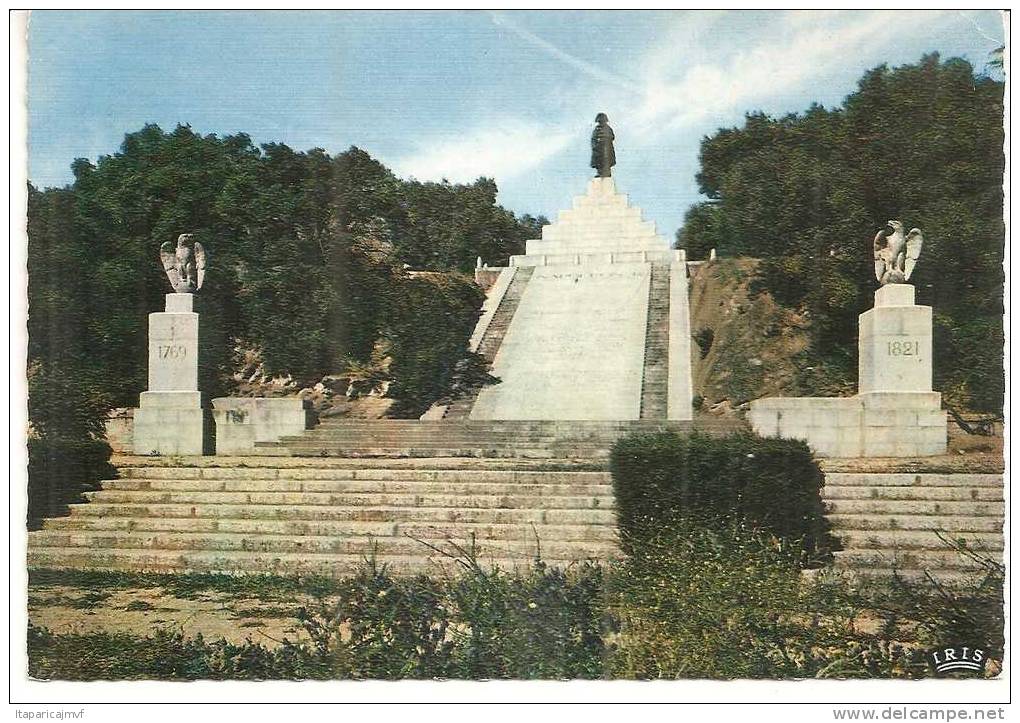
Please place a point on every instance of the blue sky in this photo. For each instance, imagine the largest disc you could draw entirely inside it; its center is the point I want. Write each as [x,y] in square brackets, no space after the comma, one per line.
[511,95]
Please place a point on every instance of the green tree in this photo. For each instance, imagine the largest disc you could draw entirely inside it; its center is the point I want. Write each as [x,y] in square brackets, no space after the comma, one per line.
[306,264]
[807,192]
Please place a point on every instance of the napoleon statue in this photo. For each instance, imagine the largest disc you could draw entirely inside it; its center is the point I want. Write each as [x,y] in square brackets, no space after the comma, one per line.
[603,157]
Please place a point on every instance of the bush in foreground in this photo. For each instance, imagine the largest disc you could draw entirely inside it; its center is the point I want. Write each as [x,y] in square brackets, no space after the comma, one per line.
[696,602]
[769,484]
[691,602]
[476,624]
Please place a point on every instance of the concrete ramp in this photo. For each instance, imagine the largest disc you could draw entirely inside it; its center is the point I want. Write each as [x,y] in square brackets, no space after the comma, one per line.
[575,347]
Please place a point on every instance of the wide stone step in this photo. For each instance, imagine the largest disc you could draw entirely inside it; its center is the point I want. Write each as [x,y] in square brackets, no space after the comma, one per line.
[916,539]
[845,479]
[510,426]
[558,430]
[354,528]
[615,238]
[500,476]
[347,545]
[357,439]
[332,499]
[229,562]
[913,507]
[381,513]
[909,559]
[456,448]
[565,430]
[600,229]
[437,464]
[949,523]
[946,578]
[934,494]
[357,486]
[319,450]
[601,206]
[563,433]
[537,435]
[595,250]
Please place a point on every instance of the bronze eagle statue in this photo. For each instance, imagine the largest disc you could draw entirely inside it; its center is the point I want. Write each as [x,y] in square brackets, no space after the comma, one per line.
[184,264]
[896,253]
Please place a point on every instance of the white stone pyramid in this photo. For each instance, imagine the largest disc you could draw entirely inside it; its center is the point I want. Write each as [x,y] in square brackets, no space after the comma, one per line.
[577,309]
[599,224]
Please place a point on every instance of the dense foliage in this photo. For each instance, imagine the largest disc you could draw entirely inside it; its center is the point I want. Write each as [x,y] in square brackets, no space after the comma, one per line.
[807,192]
[305,249]
[309,258]
[728,602]
[692,602]
[663,478]
[427,334]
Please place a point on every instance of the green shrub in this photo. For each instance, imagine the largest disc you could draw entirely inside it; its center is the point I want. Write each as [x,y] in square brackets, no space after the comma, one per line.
[66,450]
[544,622]
[164,655]
[704,338]
[771,484]
[479,624]
[689,602]
[383,627]
[729,602]
[59,470]
[474,624]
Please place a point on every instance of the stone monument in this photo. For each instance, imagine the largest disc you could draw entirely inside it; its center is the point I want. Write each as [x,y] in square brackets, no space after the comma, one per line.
[603,153]
[895,412]
[170,419]
[594,316]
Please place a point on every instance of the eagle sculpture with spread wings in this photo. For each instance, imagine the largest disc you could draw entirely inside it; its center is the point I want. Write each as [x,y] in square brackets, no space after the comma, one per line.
[185,264]
[896,253]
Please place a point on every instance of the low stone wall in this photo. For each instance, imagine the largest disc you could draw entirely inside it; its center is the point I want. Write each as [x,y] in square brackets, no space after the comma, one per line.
[243,421]
[878,424]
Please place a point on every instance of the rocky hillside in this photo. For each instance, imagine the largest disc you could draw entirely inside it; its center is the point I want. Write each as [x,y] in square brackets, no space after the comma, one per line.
[358,394]
[744,344]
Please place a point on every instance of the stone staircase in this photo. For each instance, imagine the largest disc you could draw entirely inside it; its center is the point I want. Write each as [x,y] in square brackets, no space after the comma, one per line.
[326,517]
[655,376]
[894,523]
[493,337]
[474,438]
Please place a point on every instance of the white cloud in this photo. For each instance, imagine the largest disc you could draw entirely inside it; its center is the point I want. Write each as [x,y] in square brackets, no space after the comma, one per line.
[503,151]
[689,76]
[980,30]
[509,148]
[802,47]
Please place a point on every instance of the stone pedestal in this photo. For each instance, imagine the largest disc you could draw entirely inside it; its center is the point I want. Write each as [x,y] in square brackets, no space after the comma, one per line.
[895,413]
[895,343]
[169,418]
